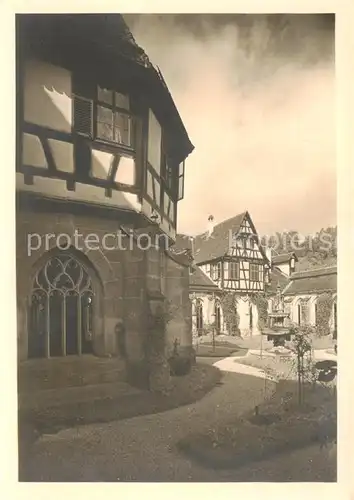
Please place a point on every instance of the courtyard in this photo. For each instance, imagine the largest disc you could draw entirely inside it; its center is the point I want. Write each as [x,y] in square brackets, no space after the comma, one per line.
[146,448]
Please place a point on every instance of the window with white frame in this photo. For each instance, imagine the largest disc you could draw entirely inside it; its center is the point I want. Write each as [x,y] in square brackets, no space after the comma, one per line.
[254,272]
[216,271]
[113,117]
[234,271]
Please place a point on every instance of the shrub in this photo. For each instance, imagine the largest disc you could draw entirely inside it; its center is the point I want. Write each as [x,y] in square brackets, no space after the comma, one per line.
[324,309]
[180,364]
[231,316]
[262,308]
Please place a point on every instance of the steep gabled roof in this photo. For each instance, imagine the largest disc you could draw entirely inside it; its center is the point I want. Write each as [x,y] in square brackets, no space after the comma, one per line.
[216,245]
[313,281]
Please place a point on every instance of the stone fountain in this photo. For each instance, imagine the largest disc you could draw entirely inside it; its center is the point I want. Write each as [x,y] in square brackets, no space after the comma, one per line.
[278,330]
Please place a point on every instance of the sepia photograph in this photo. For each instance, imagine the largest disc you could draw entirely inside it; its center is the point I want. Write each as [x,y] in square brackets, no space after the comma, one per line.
[176,247]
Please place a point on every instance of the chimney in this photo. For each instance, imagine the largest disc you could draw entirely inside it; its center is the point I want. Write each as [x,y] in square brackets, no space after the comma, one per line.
[291,265]
[210,225]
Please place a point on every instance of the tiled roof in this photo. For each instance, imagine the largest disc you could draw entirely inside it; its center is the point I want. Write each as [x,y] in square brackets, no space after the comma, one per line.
[183,242]
[216,245]
[198,280]
[312,273]
[283,258]
[313,281]
[277,277]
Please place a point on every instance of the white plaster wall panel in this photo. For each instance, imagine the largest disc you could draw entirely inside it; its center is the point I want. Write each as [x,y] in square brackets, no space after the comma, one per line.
[83,192]
[284,268]
[32,151]
[133,201]
[47,95]
[157,191]
[63,154]
[100,164]
[149,188]
[126,171]
[154,142]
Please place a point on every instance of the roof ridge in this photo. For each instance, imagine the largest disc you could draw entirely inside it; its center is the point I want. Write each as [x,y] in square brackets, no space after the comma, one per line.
[230,218]
[315,269]
[220,223]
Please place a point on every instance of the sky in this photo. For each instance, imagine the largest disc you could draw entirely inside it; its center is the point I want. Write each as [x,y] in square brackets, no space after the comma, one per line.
[257,96]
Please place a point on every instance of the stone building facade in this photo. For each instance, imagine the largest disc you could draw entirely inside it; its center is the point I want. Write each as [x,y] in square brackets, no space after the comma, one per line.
[83,179]
[310,297]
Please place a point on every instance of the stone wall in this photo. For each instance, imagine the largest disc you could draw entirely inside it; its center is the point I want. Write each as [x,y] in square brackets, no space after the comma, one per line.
[119,278]
[123,280]
[177,293]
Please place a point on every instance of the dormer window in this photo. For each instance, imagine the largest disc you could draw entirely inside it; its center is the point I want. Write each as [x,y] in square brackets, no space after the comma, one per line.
[113,117]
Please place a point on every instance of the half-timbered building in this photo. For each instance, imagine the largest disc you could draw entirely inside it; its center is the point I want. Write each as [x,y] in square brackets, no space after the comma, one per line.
[230,255]
[100,151]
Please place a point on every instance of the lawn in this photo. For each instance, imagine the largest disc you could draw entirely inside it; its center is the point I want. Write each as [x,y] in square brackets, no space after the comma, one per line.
[276,426]
[221,349]
[278,367]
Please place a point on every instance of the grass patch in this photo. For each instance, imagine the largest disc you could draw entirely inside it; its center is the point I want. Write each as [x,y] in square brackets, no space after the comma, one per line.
[221,349]
[207,350]
[280,426]
[278,366]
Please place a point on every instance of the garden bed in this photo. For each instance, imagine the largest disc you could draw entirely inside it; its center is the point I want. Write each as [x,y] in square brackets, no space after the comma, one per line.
[279,426]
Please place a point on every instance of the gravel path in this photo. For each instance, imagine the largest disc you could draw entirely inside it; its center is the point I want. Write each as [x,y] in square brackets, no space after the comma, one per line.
[142,448]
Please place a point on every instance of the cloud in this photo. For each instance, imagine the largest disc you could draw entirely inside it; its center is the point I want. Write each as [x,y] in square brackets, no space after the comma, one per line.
[257,98]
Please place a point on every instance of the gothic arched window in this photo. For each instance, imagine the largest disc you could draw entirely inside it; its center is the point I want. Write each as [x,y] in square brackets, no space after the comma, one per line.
[61,309]
[199,315]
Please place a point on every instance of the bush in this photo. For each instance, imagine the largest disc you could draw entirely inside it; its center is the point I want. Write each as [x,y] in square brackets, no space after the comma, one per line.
[180,366]
[181,360]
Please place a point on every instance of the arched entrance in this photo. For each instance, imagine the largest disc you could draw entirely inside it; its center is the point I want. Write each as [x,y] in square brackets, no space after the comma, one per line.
[61,309]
